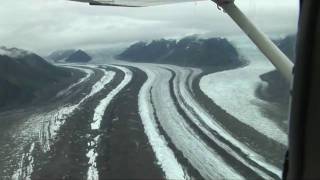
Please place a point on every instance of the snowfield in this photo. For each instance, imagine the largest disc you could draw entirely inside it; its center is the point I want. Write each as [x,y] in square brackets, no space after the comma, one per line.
[67,91]
[234,91]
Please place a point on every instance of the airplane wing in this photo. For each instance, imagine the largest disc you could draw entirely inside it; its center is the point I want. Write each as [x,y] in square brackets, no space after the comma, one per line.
[131,3]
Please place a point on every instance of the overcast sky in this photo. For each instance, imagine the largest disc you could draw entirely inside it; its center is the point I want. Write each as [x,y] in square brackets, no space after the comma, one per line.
[43,26]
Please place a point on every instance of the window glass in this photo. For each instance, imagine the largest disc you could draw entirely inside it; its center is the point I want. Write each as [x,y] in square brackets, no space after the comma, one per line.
[173,91]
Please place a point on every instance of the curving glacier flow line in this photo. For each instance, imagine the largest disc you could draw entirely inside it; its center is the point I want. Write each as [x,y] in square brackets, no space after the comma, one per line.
[58,117]
[67,91]
[203,158]
[92,173]
[163,153]
[195,72]
[200,117]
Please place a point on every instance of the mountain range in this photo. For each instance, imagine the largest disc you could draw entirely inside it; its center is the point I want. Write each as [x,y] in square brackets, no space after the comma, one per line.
[197,52]
[189,51]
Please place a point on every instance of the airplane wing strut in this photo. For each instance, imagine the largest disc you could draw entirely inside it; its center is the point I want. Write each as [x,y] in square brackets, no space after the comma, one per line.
[261,40]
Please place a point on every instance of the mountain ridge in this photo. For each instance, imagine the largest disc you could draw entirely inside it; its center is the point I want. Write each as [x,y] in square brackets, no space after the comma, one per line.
[69,55]
[23,74]
[79,56]
[189,51]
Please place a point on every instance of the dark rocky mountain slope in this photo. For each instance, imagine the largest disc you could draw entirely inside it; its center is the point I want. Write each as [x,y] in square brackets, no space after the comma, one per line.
[79,56]
[60,55]
[278,88]
[189,51]
[71,56]
[22,74]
